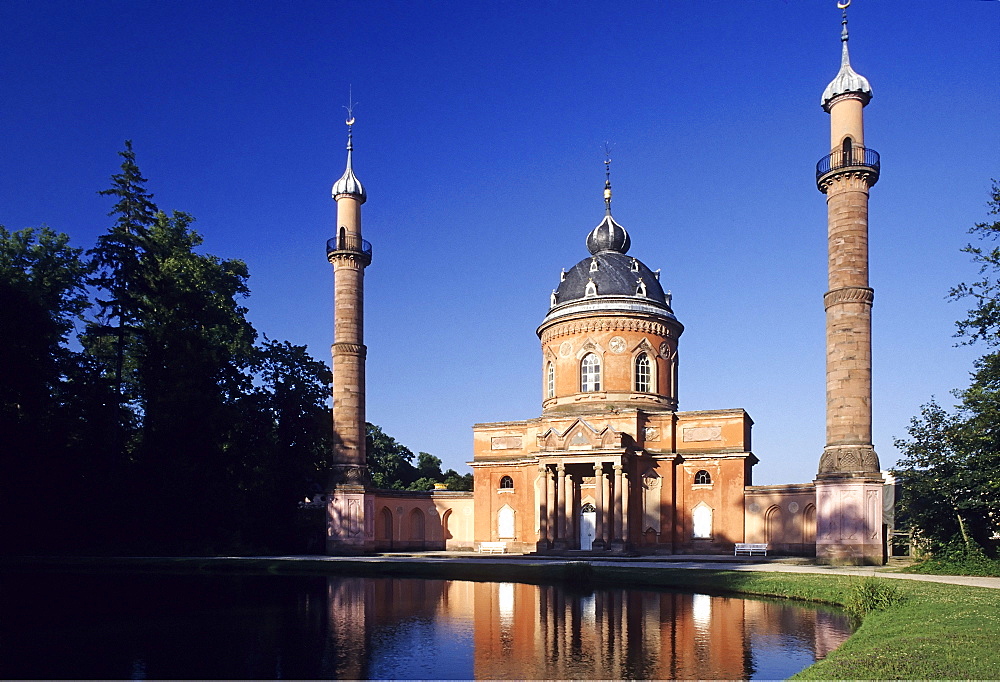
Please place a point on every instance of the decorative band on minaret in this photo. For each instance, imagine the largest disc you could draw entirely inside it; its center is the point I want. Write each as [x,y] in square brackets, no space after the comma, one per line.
[848,479]
[349,520]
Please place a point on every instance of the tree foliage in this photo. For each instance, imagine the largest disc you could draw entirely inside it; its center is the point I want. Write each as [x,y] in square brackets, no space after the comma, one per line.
[165,428]
[391,467]
[138,412]
[951,464]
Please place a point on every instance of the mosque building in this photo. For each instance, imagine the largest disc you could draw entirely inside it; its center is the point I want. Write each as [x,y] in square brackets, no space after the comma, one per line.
[611,465]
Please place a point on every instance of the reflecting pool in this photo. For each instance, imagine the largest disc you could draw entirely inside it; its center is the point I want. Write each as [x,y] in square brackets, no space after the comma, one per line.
[168,626]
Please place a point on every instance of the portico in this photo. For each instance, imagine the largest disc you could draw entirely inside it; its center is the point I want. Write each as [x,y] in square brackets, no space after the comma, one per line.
[572,486]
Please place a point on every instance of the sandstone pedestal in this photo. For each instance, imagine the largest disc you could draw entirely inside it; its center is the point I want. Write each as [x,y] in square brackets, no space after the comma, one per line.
[849,521]
[350,514]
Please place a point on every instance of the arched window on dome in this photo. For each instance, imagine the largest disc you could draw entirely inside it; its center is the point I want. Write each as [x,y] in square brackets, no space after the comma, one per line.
[590,289]
[590,373]
[643,374]
[550,380]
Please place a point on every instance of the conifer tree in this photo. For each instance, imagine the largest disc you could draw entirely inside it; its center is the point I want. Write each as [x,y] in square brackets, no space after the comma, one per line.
[117,254]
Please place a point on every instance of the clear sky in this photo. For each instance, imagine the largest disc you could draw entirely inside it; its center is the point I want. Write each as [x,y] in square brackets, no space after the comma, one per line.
[479,137]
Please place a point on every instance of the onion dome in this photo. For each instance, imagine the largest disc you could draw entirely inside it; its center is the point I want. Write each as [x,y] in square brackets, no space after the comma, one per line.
[349,185]
[609,235]
[847,80]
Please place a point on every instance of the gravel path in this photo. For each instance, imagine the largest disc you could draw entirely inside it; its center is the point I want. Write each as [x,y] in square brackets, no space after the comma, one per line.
[713,563]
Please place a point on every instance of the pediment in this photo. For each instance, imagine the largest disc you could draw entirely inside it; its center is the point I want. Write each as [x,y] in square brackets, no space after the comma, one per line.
[582,436]
[646,346]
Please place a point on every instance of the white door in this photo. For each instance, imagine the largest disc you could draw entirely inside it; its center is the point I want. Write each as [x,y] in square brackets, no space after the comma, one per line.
[588,524]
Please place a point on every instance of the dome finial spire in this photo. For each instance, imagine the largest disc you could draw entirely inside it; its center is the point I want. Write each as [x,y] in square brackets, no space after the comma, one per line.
[609,235]
[847,81]
[607,178]
[349,185]
[843,21]
[350,121]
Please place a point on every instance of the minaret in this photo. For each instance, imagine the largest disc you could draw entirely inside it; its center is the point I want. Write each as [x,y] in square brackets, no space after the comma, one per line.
[349,521]
[848,485]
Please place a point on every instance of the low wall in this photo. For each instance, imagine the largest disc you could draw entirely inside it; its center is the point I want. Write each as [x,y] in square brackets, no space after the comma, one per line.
[440,519]
[784,516]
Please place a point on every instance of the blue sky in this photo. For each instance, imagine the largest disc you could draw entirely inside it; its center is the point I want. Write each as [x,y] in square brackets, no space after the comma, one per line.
[479,137]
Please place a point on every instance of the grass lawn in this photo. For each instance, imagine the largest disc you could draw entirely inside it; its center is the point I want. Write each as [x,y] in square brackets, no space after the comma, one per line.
[937,632]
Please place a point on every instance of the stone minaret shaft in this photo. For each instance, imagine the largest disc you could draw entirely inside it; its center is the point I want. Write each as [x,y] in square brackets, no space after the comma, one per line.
[848,485]
[845,176]
[350,255]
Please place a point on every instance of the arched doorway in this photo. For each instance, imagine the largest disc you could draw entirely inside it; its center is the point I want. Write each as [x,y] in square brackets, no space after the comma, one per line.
[505,523]
[588,525]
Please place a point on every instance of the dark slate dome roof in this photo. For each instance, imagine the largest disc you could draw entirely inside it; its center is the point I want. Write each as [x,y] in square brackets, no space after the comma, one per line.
[613,274]
[609,282]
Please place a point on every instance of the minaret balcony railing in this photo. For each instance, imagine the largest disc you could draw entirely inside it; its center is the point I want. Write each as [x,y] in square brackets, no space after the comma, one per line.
[349,244]
[855,158]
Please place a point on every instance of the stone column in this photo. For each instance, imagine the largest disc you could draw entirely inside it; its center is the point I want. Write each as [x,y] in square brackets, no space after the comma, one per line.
[560,508]
[599,543]
[572,536]
[550,486]
[626,496]
[543,510]
[607,516]
[617,542]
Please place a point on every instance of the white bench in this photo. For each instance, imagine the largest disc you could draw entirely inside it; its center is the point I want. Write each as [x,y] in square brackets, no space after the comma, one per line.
[493,547]
[750,547]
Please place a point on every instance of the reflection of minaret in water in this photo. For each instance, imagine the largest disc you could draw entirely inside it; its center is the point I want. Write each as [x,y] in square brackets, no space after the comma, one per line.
[349,518]
[848,484]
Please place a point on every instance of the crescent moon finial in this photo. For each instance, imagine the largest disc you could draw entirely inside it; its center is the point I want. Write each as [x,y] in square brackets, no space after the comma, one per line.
[843,5]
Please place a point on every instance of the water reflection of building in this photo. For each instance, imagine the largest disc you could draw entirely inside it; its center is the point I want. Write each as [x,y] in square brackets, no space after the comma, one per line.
[533,632]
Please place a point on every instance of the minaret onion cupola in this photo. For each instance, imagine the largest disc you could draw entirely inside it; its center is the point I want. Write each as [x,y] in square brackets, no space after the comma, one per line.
[349,185]
[609,339]
[847,80]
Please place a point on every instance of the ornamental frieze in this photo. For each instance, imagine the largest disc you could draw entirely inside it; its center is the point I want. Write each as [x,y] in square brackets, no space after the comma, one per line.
[605,325]
[349,349]
[846,459]
[855,179]
[849,295]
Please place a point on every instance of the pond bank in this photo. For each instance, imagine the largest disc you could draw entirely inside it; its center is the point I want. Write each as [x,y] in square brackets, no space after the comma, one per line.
[942,631]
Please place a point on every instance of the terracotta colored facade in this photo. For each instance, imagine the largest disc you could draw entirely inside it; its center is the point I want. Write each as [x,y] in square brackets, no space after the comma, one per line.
[611,465]
[657,472]
[422,521]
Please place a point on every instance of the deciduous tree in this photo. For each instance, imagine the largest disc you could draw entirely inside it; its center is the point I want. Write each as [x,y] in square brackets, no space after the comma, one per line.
[951,464]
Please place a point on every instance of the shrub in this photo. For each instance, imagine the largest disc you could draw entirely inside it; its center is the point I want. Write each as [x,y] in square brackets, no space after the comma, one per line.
[959,558]
[872,594]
